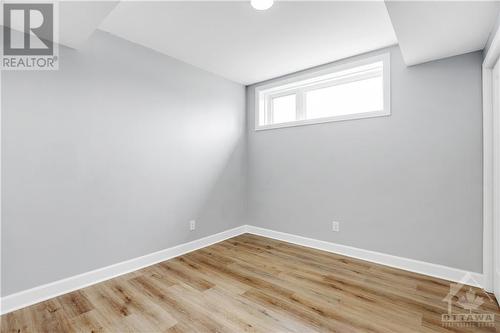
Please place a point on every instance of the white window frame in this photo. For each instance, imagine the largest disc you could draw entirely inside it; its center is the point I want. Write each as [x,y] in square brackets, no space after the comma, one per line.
[301,84]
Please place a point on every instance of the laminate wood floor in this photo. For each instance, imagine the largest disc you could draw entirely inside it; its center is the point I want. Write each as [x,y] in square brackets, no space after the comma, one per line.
[255,284]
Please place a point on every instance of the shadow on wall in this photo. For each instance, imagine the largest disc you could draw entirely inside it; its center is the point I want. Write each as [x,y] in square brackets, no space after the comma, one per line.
[110,157]
[225,204]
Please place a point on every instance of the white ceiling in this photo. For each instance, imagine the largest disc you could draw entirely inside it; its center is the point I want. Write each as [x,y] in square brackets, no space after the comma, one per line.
[231,39]
[77,20]
[438,29]
[247,46]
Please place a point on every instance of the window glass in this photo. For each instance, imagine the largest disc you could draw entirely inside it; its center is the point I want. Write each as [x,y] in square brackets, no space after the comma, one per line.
[284,109]
[343,99]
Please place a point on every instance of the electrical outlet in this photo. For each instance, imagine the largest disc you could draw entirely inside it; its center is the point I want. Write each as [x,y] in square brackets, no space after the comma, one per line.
[335,226]
[192,225]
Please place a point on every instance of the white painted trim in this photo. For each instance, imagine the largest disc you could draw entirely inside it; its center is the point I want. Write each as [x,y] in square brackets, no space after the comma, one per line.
[487,179]
[1,184]
[364,115]
[496,178]
[299,84]
[439,271]
[491,57]
[493,52]
[38,294]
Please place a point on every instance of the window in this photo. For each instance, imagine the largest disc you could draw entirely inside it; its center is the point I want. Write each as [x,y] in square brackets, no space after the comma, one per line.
[355,90]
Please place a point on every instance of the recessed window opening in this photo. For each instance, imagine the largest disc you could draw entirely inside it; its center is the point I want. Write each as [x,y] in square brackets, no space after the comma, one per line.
[355,90]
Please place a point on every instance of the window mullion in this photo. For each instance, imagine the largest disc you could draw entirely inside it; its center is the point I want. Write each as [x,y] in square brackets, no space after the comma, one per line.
[301,105]
[269,111]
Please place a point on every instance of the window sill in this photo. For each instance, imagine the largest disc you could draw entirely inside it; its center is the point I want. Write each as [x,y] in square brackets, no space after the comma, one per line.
[373,114]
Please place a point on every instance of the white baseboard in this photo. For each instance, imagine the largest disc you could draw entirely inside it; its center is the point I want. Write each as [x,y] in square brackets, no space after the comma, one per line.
[38,294]
[439,271]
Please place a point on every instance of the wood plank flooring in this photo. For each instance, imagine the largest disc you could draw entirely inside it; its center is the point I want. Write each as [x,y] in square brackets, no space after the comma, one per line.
[254,284]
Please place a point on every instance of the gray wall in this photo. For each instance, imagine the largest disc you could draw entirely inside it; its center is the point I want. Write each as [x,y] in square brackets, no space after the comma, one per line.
[109,158]
[409,184]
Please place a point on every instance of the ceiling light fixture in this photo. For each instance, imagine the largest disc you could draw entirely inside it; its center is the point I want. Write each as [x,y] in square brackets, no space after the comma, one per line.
[262,4]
